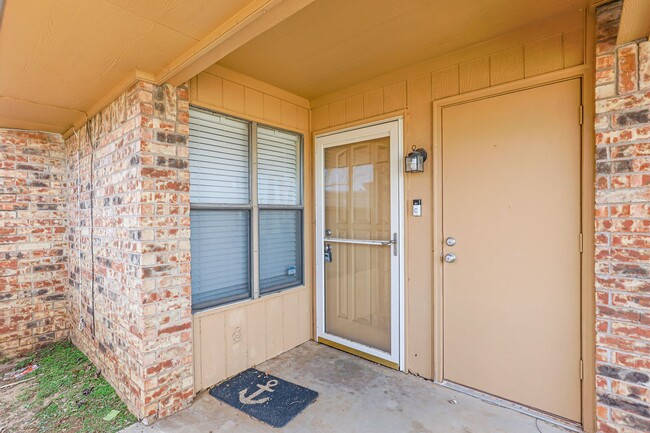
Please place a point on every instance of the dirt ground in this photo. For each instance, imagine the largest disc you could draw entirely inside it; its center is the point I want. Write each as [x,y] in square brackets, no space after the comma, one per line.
[16,417]
[66,393]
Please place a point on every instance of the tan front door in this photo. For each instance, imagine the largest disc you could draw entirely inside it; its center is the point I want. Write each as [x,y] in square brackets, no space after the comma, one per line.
[358,226]
[511,202]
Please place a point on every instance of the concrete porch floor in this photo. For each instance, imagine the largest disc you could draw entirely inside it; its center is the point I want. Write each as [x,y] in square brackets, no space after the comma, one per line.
[355,396]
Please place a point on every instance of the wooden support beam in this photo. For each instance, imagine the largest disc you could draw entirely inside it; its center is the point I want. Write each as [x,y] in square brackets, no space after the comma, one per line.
[635,21]
[253,20]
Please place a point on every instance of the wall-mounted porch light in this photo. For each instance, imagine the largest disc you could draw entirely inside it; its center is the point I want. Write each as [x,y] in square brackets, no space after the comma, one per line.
[414,161]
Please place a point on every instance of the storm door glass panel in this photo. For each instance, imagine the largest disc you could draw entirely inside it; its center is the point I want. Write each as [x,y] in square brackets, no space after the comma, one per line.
[357,233]
[220,256]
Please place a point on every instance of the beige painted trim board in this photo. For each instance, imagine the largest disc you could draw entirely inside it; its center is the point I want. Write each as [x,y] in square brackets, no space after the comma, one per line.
[588,336]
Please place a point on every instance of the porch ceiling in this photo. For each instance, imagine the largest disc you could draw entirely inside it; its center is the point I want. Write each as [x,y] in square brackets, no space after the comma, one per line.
[332,44]
[61,59]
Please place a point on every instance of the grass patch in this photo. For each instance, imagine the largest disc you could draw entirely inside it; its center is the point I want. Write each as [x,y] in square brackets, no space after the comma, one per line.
[69,395]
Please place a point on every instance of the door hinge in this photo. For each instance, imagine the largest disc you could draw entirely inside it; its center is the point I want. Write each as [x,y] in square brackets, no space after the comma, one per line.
[582,370]
[582,114]
[581,243]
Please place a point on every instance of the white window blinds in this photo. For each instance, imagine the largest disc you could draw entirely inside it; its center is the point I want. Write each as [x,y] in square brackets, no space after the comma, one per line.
[219,159]
[220,248]
[225,206]
[280,249]
[219,234]
[278,162]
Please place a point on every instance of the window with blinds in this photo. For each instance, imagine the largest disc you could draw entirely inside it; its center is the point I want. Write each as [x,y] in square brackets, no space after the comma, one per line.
[280,215]
[233,208]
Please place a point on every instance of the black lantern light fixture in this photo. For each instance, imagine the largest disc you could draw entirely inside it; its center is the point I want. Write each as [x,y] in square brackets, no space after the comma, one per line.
[414,161]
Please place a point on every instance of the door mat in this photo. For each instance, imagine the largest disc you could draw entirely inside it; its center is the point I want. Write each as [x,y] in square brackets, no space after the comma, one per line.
[267,398]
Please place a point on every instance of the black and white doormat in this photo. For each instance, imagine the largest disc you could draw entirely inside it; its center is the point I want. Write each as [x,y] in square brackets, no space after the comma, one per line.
[268,398]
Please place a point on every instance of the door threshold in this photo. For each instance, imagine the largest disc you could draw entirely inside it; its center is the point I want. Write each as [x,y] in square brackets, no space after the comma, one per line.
[507,404]
[360,354]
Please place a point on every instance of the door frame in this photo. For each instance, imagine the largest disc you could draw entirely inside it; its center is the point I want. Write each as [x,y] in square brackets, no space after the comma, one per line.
[587,176]
[397,359]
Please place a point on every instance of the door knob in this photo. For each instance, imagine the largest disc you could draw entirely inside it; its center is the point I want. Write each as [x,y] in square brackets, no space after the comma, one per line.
[450,241]
[450,258]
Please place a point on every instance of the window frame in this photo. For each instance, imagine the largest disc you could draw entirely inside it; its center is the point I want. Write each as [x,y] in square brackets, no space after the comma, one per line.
[254,208]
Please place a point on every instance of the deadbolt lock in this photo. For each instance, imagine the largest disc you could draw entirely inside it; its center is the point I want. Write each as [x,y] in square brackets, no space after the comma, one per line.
[450,241]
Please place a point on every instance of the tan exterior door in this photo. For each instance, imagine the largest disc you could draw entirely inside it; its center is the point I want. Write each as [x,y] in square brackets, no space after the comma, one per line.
[359,269]
[511,201]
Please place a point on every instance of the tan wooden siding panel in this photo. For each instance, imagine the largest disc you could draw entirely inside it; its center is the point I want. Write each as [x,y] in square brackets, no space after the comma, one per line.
[444,82]
[337,113]
[233,96]
[418,284]
[373,103]
[354,108]
[253,103]
[213,349]
[474,75]
[573,43]
[274,327]
[256,333]
[209,89]
[544,56]
[272,109]
[196,354]
[305,315]
[241,336]
[395,97]
[236,341]
[320,117]
[507,66]
[289,114]
[238,99]
[302,119]
[291,320]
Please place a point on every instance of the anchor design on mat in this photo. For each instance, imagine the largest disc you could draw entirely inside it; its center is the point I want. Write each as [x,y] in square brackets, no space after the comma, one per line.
[262,388]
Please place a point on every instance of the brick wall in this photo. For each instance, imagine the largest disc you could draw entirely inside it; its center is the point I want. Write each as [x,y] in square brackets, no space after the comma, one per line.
[32,241]
[127,171]
[622,228]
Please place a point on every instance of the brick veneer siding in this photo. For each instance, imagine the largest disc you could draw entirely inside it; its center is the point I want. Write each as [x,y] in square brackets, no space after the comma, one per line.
[33,268]
[135,169]
[622,228]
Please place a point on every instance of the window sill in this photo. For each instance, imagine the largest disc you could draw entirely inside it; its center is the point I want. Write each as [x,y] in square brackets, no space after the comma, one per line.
[238,304]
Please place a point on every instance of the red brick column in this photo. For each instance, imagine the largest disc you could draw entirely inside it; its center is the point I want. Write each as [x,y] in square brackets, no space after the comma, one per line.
[622,228]
[33,266]
[130,289]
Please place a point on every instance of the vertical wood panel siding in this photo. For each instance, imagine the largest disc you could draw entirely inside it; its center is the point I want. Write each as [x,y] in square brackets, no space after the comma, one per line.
[414,94]
[229,339]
